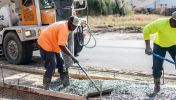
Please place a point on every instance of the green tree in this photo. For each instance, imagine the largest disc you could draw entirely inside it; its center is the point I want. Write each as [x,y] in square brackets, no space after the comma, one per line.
[120,4]
[104,8]
[107,7]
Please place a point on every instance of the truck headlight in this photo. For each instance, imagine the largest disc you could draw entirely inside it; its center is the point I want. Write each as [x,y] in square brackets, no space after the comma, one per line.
[28,33]
[39,32]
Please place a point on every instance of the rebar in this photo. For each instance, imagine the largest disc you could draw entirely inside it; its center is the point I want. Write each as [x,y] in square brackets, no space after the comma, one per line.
[21,78]
[163,76]
[2,75]
[114,74]
[101,88]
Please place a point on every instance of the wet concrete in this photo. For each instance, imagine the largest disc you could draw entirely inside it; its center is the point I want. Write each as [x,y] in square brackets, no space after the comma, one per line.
[122,89]
[136,88]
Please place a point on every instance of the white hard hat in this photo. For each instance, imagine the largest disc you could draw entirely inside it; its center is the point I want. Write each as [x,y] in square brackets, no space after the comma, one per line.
[76,21]
[174,15]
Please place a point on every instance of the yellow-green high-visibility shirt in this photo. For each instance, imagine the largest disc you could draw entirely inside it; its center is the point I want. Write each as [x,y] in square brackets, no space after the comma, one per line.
[165,34]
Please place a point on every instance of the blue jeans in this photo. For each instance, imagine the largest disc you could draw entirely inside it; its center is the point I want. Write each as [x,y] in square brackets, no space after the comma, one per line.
[157,62]
[52,60]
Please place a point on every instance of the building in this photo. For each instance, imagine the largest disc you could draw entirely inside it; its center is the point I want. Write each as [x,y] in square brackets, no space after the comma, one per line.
[141,3]
[154,3]
[161,3]
[165,7]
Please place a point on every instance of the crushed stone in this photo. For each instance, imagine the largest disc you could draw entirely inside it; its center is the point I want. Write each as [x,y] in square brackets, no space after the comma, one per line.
[122,89]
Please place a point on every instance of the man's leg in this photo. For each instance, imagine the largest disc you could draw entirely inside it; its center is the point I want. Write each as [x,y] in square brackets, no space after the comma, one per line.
[172,52]
[67,62]
[62,70]
[158,66]
[50,64]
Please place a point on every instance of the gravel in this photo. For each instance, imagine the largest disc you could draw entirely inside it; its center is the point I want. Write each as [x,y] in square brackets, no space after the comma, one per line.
[122,89]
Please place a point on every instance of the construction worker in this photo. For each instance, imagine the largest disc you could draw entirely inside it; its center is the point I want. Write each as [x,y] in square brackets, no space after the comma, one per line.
[165,40]
[51,42]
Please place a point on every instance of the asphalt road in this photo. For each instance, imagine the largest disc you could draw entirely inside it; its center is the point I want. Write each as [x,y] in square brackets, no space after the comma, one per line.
[121,54]
[113,53]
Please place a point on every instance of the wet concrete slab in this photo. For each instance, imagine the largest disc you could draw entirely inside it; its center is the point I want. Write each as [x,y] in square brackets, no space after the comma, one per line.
[122,89]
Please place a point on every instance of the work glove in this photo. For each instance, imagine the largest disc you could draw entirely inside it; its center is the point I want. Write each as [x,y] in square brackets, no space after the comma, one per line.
[75,60]
[148,51]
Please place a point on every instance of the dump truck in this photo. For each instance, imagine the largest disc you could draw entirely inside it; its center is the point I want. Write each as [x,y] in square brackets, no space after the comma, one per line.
[21,22]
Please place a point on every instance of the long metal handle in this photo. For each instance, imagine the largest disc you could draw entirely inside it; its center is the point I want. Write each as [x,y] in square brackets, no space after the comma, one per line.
[158,56]
[89,77]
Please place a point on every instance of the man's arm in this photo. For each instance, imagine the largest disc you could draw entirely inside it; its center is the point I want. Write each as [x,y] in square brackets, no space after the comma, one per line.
[67,51]
[149,29]
[148,50]
[147,43]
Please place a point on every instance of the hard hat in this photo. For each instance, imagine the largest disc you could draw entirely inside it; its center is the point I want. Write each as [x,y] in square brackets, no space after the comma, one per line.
[76,21]
[174,15]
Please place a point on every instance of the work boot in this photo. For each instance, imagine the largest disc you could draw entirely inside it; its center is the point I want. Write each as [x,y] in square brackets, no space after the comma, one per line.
[46,82]
[157,85]
[65,80]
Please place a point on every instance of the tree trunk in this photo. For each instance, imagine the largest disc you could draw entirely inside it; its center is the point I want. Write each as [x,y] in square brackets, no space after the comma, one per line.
[120,6]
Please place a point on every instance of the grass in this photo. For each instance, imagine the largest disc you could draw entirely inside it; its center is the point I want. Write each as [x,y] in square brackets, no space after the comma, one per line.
[126,21]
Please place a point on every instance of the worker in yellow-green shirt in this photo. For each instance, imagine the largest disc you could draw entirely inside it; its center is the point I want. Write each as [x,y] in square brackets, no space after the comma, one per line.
[165,40]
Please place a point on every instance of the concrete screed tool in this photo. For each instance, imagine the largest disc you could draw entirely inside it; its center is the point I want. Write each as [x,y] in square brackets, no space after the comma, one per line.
[98,92]
[163,58]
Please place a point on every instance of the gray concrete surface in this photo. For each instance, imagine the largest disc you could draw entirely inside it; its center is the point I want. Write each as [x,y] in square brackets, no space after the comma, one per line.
[114,51]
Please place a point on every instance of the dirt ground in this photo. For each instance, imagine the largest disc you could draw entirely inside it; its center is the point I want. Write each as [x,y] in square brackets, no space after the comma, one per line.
[127,33]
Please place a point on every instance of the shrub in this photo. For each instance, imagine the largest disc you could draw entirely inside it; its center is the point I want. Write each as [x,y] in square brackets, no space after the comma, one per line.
[105,7]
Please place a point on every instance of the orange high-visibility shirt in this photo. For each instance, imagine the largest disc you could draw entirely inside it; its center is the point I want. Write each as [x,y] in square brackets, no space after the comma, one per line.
[53,36]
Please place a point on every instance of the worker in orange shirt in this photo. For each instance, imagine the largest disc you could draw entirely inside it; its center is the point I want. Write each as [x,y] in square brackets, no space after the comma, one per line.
[51,42]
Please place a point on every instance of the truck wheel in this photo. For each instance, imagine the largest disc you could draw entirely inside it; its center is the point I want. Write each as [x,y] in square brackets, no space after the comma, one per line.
[78,41]
[15,52]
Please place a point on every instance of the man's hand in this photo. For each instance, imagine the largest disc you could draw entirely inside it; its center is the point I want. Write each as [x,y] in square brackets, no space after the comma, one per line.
[67,51]
[148,51]
[75,60]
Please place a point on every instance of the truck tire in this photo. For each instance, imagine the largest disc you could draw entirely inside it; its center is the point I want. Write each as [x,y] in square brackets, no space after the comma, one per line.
[78,41]
[15,51]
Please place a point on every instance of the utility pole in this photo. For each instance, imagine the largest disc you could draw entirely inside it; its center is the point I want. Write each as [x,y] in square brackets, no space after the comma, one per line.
[120,5]
[155,4]
[132,3]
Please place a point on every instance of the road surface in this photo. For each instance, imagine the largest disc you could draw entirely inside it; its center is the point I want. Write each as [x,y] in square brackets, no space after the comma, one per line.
[121,54]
